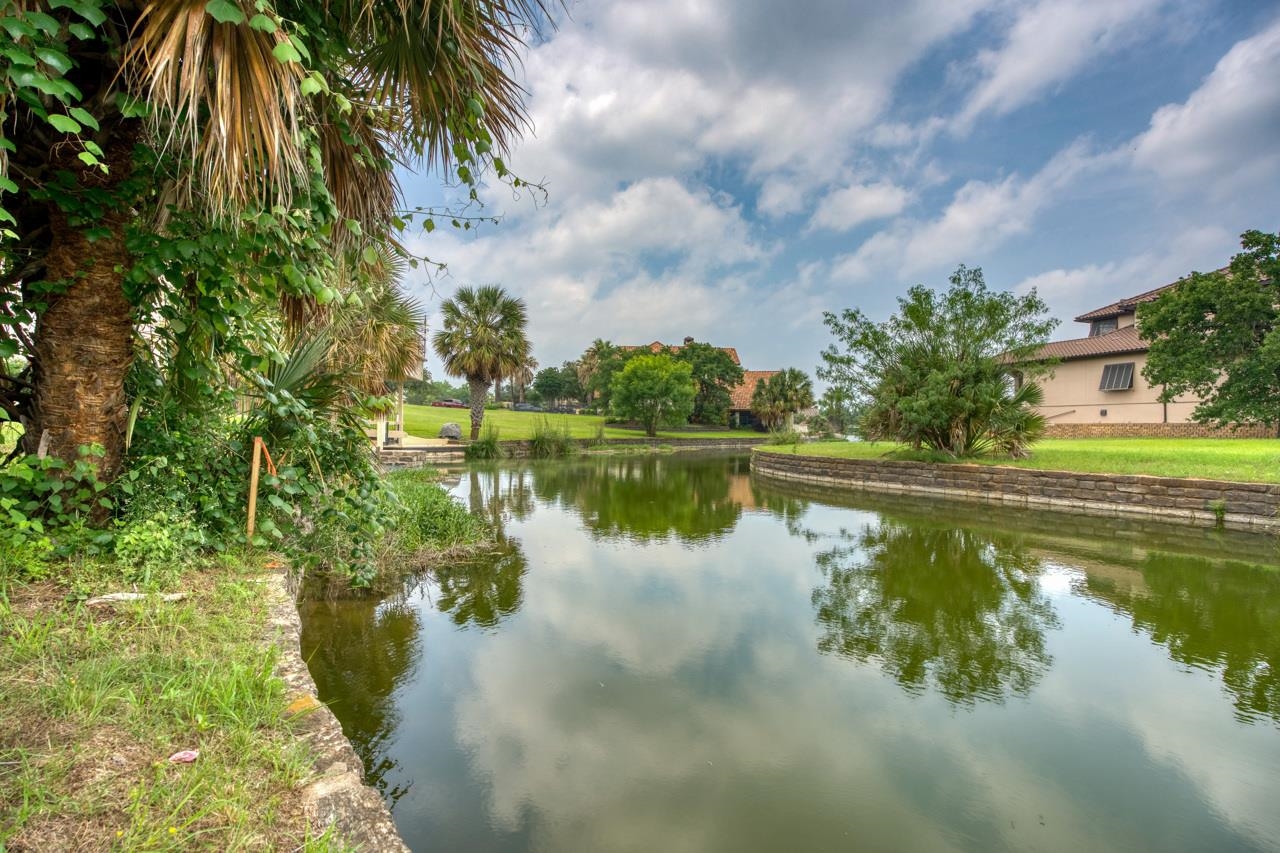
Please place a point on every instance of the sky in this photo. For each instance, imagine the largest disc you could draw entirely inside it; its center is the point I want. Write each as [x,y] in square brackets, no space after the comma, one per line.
[731,169]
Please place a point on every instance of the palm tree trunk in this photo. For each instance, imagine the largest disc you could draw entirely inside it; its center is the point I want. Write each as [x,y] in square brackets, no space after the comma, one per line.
[790,421]
[479,389]
[83,346]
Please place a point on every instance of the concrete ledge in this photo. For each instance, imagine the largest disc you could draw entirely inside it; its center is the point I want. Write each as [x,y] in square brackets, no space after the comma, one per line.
[336,795]
[1244,506]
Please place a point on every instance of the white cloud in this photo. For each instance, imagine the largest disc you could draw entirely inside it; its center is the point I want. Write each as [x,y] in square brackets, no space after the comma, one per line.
[848,207]
[1224,135]
[981,216]
[1048,43]
[1070,292]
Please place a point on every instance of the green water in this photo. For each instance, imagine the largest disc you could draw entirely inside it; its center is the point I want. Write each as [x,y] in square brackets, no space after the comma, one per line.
[667,655]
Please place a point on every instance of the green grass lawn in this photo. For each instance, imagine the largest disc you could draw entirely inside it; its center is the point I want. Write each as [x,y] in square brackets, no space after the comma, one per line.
[1240,459]
[425,422]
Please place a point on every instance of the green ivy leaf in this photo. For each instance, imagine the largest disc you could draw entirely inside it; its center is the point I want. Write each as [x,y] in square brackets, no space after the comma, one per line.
[262,23]
[66,124]
[224,12]
[7,185]
[55,59]
[369,254]
[285,52]
[83,116]
[48,23]
[310,85]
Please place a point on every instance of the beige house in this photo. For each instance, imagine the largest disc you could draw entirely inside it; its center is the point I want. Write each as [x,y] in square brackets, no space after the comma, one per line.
[1098,379]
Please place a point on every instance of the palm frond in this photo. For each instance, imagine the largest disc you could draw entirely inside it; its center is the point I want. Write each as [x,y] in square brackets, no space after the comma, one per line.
[218,93]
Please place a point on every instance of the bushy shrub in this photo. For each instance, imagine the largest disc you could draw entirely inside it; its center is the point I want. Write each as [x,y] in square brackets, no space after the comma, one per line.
[151,551]
[784,437]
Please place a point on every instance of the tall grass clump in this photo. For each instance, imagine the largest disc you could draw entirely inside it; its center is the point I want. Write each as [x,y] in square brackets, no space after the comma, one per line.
[428,518]
[486,446]
[550,441]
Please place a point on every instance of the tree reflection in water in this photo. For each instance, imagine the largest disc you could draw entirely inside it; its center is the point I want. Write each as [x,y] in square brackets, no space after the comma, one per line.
[950,608]
[1210,614]
[358,652]
[485,590]
[646,498]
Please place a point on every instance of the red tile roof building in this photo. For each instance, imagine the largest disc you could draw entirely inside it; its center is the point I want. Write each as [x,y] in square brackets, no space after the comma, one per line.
[739,395]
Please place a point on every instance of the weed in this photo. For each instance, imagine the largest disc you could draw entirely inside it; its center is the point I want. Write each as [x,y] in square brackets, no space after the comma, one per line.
[1219,510]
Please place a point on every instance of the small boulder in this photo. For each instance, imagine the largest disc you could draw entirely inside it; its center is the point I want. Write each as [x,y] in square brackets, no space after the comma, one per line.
[452,431]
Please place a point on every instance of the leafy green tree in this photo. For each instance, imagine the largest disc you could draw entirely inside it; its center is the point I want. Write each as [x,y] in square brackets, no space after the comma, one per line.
[839,408]
[715,373]
[482,338]
[554,384]
[1217,336]
[655,390]
[937,374]
[143,145]
[776,400]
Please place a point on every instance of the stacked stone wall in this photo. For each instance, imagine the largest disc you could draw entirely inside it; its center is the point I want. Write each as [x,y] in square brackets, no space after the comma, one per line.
[1182,430]
[1243,506]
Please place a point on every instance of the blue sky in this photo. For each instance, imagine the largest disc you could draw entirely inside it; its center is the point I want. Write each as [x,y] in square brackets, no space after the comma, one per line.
[729,169]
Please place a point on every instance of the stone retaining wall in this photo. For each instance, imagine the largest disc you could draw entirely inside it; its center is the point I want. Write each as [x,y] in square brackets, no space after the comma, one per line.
[336,795]
[523,449]
[1243,506]
[1185,430]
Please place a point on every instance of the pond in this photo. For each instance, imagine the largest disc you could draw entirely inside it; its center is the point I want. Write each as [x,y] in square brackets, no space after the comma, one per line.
[666,654]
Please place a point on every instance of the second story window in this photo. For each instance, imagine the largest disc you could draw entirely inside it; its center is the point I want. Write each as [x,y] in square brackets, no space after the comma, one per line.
[1101,327]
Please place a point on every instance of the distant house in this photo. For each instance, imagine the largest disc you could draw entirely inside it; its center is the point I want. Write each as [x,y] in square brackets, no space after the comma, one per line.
[1099,380]
[739,395]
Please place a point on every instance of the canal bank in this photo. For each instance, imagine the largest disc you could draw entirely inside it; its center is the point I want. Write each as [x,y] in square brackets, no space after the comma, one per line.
[1236,506]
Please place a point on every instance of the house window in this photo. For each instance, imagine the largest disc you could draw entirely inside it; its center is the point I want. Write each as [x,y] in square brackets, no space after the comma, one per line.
[1102,327]
[1117,377]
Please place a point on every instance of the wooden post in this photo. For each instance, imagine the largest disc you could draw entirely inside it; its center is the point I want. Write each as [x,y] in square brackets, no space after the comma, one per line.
[254,470]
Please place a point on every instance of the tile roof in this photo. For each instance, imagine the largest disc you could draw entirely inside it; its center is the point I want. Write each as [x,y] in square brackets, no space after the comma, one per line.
[1120,341]
[740,395]
[659,346]
[1122,306]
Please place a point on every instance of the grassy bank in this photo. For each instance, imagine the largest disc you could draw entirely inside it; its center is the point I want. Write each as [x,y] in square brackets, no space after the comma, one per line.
[96,699]
[425,421]
[1239,459]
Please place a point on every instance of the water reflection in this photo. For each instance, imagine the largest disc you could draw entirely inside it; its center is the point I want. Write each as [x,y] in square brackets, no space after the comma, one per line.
[820,672]
[645,498]
[359,651]
[1212,614]
[484,591]
[948,607]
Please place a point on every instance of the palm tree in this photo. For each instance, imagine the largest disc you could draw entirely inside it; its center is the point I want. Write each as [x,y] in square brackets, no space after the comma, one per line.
[599,352]
[380,338]
[777,399]
[794,391]
[248,107]
[482,338]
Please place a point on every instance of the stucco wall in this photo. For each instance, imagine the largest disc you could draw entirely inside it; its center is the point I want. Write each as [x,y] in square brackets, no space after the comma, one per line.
[1071,395]
[1244,506]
